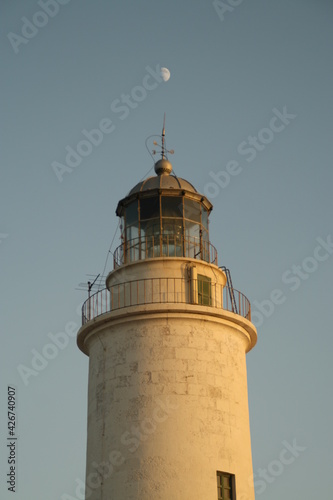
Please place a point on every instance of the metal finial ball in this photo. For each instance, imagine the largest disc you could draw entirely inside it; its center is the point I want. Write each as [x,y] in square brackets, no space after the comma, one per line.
[163,167]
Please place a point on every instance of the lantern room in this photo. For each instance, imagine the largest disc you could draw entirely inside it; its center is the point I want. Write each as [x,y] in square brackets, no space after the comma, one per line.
[164,216]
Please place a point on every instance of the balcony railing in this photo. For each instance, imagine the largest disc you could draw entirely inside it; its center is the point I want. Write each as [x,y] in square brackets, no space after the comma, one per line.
[162,245]
[165,291]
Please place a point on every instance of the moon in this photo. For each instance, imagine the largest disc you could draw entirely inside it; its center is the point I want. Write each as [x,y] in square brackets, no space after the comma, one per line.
[165,74]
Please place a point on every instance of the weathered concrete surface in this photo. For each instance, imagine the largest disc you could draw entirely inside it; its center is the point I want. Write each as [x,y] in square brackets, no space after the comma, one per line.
[167,403]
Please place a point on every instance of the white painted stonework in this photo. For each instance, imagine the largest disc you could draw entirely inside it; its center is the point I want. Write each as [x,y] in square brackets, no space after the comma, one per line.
[167,396]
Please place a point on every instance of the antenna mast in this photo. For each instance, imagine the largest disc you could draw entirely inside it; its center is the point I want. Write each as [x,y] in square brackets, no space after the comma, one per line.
[163,136]
[164,151]
[90,285]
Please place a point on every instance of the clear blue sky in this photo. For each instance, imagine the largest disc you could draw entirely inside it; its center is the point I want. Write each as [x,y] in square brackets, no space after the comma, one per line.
[231,74]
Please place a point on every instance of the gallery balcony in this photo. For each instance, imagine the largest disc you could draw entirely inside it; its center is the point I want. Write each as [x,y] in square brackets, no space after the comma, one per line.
[162,245]
[166,291]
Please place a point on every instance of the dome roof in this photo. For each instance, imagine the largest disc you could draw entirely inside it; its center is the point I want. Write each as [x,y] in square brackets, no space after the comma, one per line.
[163,182]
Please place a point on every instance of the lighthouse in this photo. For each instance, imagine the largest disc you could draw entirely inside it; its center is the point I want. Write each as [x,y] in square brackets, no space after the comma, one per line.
[167,339]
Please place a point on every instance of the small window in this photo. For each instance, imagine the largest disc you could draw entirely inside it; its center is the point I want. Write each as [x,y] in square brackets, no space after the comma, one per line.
[226,489]
[204,290]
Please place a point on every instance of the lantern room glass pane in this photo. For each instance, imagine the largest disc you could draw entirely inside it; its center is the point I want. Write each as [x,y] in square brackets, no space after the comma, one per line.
[149,208]
[122,226]
[172,206]
[204,215]
[192,210]
[173,227]
[192,230]
[132,232]
[205,236]
[192,240]
[150,239]
[132,213]
[150,228]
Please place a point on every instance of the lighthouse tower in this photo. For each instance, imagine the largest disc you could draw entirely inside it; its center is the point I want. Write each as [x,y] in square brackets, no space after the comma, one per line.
[168,411]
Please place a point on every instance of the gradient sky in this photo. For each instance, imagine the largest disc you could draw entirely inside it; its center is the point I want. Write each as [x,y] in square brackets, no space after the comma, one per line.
[228,74]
